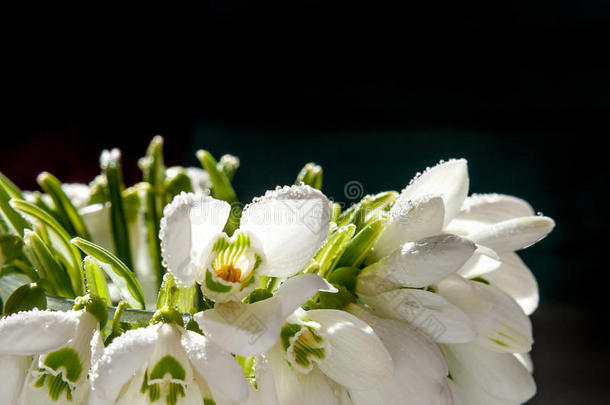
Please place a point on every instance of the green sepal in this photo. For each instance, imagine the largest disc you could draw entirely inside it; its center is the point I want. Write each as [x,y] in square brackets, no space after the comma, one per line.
[193,326]
[110,162]
[258,294]
[96,281]
[95,305]
[221,189]
[168,315]
[311,175]
[59,241]
[26,298]
[114,268]
[338,300]
[11,248]
[361,244]
[344,276]
[52,186]
[48,268]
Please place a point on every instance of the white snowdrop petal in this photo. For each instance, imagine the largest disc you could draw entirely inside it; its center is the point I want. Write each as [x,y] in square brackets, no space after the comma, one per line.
[526,360]
[409,221]
[448,180]
[500,375]
[35,332]
[501,324]
[515,278]
[12,377]
[219,369]
[430,313]
[295,388]
[267,392]
[97,220]
[494,208]
[419,368]
[514,234]
[121,360]
[250,329]
[472,394]
[483,260]
[419,264]
[291,223]
[349,337]
[189,224]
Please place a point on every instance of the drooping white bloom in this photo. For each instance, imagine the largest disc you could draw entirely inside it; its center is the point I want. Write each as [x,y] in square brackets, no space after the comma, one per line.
[420,373]
[484,377]
[250,329]
[166,364]
[46,356]
[279,233]
[505,224]
[392,287]
[322,357]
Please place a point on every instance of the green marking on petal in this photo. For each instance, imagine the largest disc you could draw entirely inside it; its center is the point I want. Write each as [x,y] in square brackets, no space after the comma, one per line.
[157,383]
[302,344]
[68,359]
[61,370]
[208,401]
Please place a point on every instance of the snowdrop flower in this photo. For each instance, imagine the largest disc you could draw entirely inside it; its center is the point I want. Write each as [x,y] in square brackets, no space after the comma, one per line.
[279,233]
[505,224]
[420,373]
[483,377]
[250,329]
[393,287]
[165,364]
[322,357]
[46,355]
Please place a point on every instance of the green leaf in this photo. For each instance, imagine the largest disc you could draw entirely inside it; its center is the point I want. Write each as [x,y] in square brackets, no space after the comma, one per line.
[120,274]
[328,256]
[338,300]
[26,298]
[153,170]
[13,221]
[11,248]
[52,186]
[361,244]
[59,241]
[345,276]
[48,268]
[110,162]
[221,189]
[96,281]
[10,187]
[311,175]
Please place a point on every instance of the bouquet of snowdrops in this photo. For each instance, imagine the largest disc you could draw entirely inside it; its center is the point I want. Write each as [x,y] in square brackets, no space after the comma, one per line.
[172,292]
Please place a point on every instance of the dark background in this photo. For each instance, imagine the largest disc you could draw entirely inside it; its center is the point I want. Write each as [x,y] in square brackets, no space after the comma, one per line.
[373,92]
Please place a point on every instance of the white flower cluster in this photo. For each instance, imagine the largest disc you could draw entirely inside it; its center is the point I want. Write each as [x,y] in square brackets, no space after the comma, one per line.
[414,298]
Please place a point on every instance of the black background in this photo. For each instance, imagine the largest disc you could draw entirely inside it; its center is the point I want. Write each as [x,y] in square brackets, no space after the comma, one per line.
[373,92]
